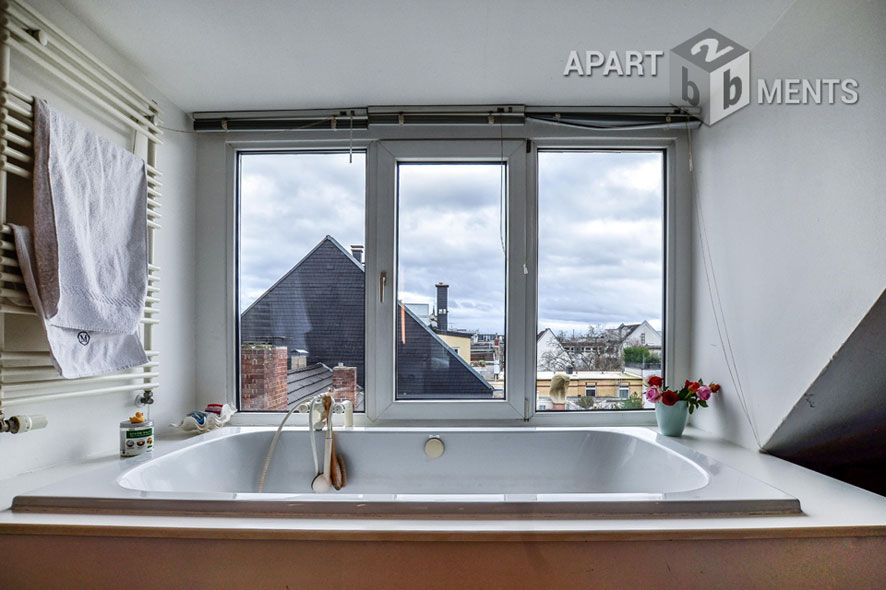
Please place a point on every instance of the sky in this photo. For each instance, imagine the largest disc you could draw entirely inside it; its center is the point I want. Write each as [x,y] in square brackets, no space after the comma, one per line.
[600,236]
[600,239]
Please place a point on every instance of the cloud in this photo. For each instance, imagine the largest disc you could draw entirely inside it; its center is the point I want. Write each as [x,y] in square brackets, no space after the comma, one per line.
[449,232]
[288,204]
[600,240]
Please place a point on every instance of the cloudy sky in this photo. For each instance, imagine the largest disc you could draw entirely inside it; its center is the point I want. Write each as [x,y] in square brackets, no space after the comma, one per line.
[288,204]
[600,248]
[600,239]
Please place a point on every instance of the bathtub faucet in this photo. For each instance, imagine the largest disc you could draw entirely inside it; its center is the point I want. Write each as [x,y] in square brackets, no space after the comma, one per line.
[344,407]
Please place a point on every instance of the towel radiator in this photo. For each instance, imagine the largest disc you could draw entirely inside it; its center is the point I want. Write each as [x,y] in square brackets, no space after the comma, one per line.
[26,373]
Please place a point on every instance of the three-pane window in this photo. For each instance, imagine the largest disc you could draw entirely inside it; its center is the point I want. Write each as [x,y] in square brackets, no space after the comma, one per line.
[418,278]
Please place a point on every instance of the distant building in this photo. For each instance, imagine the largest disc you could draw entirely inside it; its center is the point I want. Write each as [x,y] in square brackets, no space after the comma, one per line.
[600,350]
[458,341]
[487,352]
[642,334]
[549,352]
[421,310]
[316,312]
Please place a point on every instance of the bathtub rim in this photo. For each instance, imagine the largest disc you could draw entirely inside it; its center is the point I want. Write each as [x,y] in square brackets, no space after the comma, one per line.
[58,498]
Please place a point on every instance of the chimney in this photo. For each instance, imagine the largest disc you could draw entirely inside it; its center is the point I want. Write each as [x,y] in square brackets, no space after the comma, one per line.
[298,359]
[344,383]
[357,252]
[442,306]
[263,377]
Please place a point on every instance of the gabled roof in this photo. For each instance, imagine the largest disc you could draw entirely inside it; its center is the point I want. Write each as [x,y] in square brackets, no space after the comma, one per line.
[631,328]
[318,306]
[542,333]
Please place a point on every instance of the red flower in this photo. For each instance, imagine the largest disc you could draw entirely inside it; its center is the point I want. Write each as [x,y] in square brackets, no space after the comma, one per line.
[669,398]
[654,381]
[715,387]
[693,387]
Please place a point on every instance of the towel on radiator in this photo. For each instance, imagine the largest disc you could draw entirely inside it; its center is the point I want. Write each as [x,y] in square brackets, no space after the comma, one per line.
[89,248]
[77,353]
[90,228]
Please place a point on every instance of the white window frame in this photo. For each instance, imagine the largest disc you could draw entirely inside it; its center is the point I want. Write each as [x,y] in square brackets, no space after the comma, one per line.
[384,159]
[677,244]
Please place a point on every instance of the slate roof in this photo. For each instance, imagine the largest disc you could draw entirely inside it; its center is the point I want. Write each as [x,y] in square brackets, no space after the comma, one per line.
[318,306]
[427,368]
[306,382]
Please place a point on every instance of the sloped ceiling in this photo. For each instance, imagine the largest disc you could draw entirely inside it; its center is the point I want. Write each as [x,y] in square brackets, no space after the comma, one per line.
[834,428]
[278,54]
[791,199]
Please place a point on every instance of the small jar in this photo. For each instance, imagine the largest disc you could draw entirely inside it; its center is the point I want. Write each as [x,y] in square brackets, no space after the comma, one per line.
[136,438]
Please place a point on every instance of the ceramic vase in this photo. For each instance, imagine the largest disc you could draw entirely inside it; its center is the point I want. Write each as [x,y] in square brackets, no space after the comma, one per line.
[672,419]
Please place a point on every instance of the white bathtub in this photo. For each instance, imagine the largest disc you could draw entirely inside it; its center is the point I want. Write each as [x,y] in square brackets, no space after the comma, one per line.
[577,472]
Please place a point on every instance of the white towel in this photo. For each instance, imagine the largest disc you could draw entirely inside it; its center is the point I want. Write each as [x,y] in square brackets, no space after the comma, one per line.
[86,267]
[90,230]
[77,353]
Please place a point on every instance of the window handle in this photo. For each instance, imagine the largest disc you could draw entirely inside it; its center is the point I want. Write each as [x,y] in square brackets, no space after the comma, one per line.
[382,282]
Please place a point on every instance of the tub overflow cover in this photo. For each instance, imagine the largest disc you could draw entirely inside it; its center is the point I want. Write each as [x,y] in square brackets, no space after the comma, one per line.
[434,447]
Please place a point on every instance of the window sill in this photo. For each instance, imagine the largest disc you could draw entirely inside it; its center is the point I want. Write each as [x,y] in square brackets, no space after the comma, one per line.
[608,418]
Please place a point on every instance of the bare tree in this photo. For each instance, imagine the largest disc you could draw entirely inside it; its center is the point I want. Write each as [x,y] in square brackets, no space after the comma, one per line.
[597,349]
[555,361]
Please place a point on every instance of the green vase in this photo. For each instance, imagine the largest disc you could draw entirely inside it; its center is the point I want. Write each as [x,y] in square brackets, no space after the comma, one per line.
[672,419]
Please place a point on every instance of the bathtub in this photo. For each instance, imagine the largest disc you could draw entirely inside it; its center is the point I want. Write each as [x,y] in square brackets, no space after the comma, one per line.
[492,472]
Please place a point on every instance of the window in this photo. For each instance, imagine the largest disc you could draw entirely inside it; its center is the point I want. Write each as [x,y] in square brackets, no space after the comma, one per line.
[600,259]
[449,278]
[445,214]
[301,278]
[450,255]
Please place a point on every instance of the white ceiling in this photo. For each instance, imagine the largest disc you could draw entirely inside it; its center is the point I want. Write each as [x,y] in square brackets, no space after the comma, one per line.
[279,54]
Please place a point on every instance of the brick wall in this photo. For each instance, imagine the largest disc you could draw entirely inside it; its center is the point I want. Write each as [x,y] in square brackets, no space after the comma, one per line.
[262,377]
[344,382]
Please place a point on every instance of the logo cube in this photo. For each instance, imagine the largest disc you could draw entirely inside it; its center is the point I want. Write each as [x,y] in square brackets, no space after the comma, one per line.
[712,72]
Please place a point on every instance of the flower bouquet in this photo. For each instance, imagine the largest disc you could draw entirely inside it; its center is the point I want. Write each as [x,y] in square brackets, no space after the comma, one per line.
[695,393]
[673,411]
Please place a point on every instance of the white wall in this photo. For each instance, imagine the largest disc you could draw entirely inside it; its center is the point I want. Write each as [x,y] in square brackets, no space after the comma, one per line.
[214,224]
[87,427]
[793,202]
